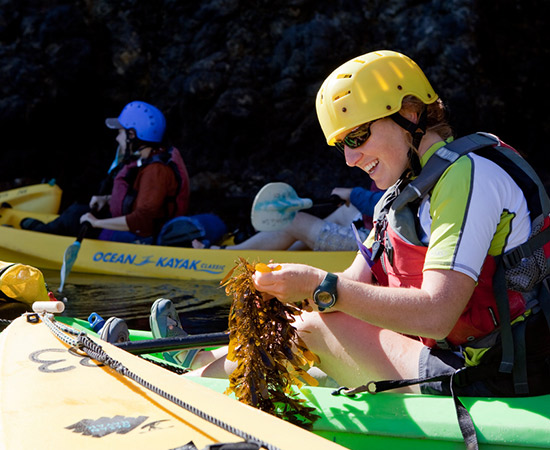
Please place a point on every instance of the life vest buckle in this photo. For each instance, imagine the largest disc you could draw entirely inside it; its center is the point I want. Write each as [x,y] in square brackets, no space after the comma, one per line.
[377,249]
[460,377]
[516,256]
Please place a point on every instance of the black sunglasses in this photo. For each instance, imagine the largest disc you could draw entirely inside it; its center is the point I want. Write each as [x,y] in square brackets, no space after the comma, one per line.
[356,138]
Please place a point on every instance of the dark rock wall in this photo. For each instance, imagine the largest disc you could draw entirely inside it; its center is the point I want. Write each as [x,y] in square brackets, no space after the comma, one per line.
[237,81]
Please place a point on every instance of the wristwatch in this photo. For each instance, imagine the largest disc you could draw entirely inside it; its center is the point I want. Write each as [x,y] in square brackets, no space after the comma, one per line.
[325,295]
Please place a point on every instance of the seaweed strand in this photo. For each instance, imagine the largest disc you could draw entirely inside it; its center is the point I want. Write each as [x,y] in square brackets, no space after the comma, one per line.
[269,353]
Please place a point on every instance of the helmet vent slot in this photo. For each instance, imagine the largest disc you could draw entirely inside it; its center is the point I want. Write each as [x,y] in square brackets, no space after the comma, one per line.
[341,95]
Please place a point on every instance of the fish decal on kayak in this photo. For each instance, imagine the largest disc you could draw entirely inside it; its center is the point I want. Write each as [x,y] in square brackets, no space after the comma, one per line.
[106,425]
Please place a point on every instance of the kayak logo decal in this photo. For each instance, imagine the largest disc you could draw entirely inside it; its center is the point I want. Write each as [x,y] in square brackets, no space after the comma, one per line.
[195,265]
[106,425]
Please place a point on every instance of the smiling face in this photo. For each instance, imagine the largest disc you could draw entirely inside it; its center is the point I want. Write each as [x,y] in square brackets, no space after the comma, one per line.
[384,156]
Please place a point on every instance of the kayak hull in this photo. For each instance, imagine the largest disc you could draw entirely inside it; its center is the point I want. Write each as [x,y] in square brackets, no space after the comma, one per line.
[45,251]
[43,198]
[407,421]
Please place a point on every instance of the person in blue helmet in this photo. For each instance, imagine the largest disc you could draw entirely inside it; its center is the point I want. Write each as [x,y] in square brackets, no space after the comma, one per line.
[148,184]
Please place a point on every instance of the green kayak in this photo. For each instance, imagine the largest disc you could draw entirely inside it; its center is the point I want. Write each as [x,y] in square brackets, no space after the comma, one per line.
[407,421]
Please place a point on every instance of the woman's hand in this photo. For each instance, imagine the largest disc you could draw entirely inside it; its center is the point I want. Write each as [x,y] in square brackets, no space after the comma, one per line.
[89,217]
[97,202]
[343,193]
[292,283]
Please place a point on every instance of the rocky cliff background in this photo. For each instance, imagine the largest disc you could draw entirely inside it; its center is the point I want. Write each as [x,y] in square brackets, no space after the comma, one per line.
[237,81]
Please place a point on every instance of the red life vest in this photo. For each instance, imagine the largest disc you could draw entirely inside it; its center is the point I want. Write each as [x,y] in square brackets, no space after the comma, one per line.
[400,255]
[123,194]
[479,318]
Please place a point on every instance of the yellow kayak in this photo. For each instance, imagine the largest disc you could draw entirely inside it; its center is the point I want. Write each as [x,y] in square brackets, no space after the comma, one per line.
[42,198]
[45,251]
[53,396]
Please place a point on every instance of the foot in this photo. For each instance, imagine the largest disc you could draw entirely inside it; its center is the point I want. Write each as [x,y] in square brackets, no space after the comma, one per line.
[114,331]
[195,243]
[29,223]
[165,322]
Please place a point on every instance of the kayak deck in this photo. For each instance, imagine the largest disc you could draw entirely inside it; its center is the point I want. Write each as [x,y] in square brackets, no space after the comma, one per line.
[406,421]
[53,397]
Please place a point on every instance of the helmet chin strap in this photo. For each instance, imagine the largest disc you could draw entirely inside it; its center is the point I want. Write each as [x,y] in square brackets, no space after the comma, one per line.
[131,144]
[417,131]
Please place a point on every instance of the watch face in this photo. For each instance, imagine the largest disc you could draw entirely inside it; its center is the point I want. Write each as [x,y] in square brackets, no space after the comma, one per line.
[324,297]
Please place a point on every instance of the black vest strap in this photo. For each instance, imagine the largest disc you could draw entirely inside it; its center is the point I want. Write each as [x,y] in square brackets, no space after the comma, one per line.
[438,163]
[513,257]
[503,307]
[544,299]
[521,385]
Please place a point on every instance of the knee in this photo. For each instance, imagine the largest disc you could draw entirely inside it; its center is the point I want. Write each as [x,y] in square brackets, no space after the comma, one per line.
[303,220]
[315,327]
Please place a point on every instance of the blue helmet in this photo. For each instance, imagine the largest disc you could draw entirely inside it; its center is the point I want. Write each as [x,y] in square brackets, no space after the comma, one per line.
[147,120]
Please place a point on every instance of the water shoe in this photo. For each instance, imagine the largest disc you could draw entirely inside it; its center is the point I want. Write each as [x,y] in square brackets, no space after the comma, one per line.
[114,331]
[164,322]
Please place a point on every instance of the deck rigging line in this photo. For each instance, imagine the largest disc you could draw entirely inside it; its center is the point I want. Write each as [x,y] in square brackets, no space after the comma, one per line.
[96,352]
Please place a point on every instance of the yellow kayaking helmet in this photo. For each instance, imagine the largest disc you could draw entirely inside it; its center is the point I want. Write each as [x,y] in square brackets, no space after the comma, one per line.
[369,87]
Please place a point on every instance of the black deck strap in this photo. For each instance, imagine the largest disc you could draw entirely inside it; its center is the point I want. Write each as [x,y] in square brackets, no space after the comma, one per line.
[374,387]
[460,377]
[465,421]
[444,344]
[231,446]
[438,163]
[503,307]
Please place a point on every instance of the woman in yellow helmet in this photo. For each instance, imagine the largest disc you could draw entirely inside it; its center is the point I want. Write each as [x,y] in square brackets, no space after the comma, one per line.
[455,257]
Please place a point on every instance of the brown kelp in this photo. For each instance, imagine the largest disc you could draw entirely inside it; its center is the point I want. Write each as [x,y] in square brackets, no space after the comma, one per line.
[270,355]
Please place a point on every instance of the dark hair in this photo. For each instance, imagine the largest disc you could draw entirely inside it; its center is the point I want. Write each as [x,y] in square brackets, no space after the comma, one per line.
[138,143]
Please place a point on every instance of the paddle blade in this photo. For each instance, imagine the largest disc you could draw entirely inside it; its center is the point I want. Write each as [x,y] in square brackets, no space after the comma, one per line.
[275,206]
[69,259]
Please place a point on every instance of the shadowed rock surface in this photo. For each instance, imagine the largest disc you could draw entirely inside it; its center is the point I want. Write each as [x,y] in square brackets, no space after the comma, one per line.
[237,81]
